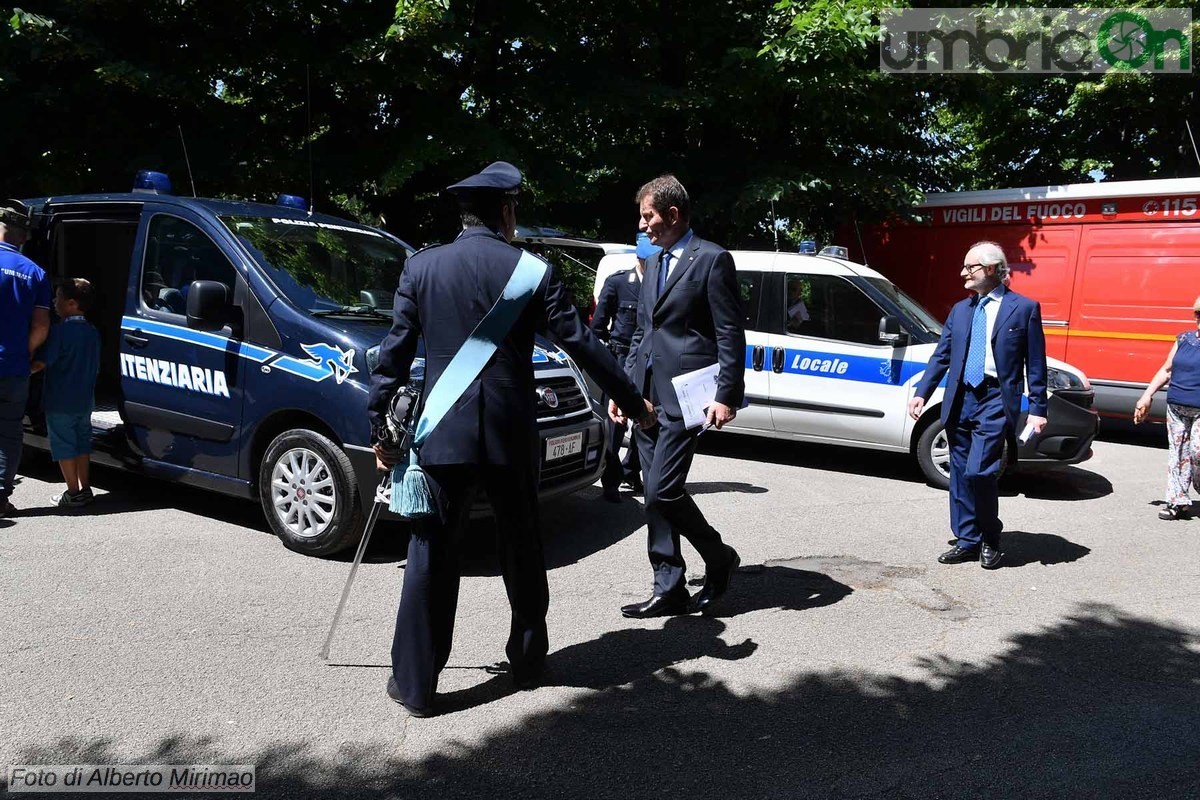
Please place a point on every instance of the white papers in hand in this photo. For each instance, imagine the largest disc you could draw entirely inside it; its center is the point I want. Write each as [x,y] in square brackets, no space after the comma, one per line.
[696,391]
[1025,434]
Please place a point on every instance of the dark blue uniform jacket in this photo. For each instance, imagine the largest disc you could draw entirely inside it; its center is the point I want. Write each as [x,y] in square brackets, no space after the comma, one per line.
[618,304]
[444,292]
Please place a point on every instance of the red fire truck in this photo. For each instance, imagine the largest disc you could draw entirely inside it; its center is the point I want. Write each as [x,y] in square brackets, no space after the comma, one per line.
[1116,267]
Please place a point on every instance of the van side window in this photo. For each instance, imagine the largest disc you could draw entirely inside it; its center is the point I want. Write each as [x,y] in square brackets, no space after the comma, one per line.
[750,294]
[830,307]
[177,253]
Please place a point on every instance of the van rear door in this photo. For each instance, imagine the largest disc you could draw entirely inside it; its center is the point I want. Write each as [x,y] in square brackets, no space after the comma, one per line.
[182,387]
[1133,294]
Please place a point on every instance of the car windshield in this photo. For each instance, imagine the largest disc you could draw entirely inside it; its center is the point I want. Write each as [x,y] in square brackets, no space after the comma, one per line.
[323,267]
[915,311]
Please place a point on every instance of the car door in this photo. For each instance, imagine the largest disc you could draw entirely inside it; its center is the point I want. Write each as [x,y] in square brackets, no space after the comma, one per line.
[182,388]
[831,379]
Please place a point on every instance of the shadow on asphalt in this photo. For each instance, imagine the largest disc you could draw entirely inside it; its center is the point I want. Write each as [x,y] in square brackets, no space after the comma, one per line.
[127,492]
[1022,549]
[834,458]
[1048,482]
[1101,704]
[574,526]
[1123,431]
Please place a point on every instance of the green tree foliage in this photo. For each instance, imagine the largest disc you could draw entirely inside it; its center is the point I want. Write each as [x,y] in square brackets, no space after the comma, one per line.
[1007,130]
[372,107]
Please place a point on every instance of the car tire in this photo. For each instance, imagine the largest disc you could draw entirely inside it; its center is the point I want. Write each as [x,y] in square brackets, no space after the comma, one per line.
[309,495]
[933,455]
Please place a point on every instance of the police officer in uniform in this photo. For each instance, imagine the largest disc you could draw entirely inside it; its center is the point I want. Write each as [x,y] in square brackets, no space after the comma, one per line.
[617,306]
[487,441]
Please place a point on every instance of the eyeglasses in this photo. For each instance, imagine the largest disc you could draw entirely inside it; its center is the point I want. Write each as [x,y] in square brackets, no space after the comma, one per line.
[970,268]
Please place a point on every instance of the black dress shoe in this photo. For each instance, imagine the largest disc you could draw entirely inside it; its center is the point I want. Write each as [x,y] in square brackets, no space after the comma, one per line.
[959,555]
[393,691]
[989,557]
[612,494]
[716,583]
[659,605]
[635,485]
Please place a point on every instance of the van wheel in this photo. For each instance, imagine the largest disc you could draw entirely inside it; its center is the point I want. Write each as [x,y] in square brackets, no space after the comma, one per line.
[309,495]
[933,455]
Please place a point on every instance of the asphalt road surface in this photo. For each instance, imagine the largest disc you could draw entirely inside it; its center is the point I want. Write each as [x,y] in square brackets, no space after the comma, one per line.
[165,625]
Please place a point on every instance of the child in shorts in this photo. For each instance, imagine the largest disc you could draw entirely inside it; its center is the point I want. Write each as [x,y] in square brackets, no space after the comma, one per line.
[71,359]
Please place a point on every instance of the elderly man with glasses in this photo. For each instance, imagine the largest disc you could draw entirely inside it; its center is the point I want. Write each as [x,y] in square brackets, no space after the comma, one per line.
[991,341]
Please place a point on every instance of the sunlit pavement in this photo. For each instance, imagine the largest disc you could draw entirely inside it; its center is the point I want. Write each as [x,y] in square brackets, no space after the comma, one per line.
[165,625]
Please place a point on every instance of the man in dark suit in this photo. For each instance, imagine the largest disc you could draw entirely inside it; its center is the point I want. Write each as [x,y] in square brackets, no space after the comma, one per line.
[990,342]
[689,317]
[617,306]
[488,439]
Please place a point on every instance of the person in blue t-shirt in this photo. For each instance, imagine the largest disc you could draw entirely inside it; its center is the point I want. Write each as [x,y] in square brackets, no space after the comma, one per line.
[24,323]
[71,360]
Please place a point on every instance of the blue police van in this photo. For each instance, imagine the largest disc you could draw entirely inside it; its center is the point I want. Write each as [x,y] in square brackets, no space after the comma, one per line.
[237,340]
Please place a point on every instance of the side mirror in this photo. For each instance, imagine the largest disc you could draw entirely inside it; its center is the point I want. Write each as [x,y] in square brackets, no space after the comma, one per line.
[206,304]
[891,333]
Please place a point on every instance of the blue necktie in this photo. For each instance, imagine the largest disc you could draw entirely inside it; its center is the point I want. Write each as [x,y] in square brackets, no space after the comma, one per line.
[977,351]
[663,267]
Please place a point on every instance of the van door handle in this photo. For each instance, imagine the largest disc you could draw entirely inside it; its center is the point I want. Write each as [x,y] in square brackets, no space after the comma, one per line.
[136,341]
[777,360]
[757,356]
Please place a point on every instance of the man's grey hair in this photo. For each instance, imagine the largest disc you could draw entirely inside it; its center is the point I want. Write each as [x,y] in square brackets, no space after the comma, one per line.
[992,255]
[664,192]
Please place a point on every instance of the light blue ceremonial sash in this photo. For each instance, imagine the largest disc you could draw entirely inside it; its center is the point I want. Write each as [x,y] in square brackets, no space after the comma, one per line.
[412,496]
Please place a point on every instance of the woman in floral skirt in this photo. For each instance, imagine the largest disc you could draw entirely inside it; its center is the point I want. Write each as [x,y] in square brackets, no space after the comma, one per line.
[1182,369]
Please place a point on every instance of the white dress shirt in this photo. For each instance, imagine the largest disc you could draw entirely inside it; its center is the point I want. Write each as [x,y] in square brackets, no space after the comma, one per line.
[676,252]
[992,310]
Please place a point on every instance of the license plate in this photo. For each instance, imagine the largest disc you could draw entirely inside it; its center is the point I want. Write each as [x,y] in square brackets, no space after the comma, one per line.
[562,446]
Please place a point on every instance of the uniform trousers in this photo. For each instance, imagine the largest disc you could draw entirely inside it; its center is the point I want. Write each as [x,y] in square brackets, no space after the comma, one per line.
[666,451]
[429,597]
[976,440]
[14,392]
[616,469]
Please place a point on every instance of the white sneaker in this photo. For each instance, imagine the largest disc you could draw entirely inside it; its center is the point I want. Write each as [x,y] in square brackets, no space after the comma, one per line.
[68,500]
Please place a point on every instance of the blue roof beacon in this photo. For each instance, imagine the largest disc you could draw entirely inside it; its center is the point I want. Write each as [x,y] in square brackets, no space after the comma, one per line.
[151,182]
[292,201]
[808,247]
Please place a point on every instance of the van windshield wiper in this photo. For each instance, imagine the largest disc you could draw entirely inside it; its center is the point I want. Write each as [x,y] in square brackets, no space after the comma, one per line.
[352,311]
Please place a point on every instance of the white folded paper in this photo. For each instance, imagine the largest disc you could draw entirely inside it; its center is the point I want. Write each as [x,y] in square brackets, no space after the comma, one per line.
[1025,434]
[696,391]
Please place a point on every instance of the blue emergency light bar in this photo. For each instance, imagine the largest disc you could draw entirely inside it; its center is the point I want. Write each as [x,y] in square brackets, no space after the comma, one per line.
[808,246]
[153,182]
[292,201]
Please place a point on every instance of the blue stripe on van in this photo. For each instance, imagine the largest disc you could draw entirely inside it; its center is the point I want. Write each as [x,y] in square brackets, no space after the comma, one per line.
[214,341]
[863,369]
[312,370]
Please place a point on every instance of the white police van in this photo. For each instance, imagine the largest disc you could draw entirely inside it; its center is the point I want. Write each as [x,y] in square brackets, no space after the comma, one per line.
[834,352]
[237,340]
